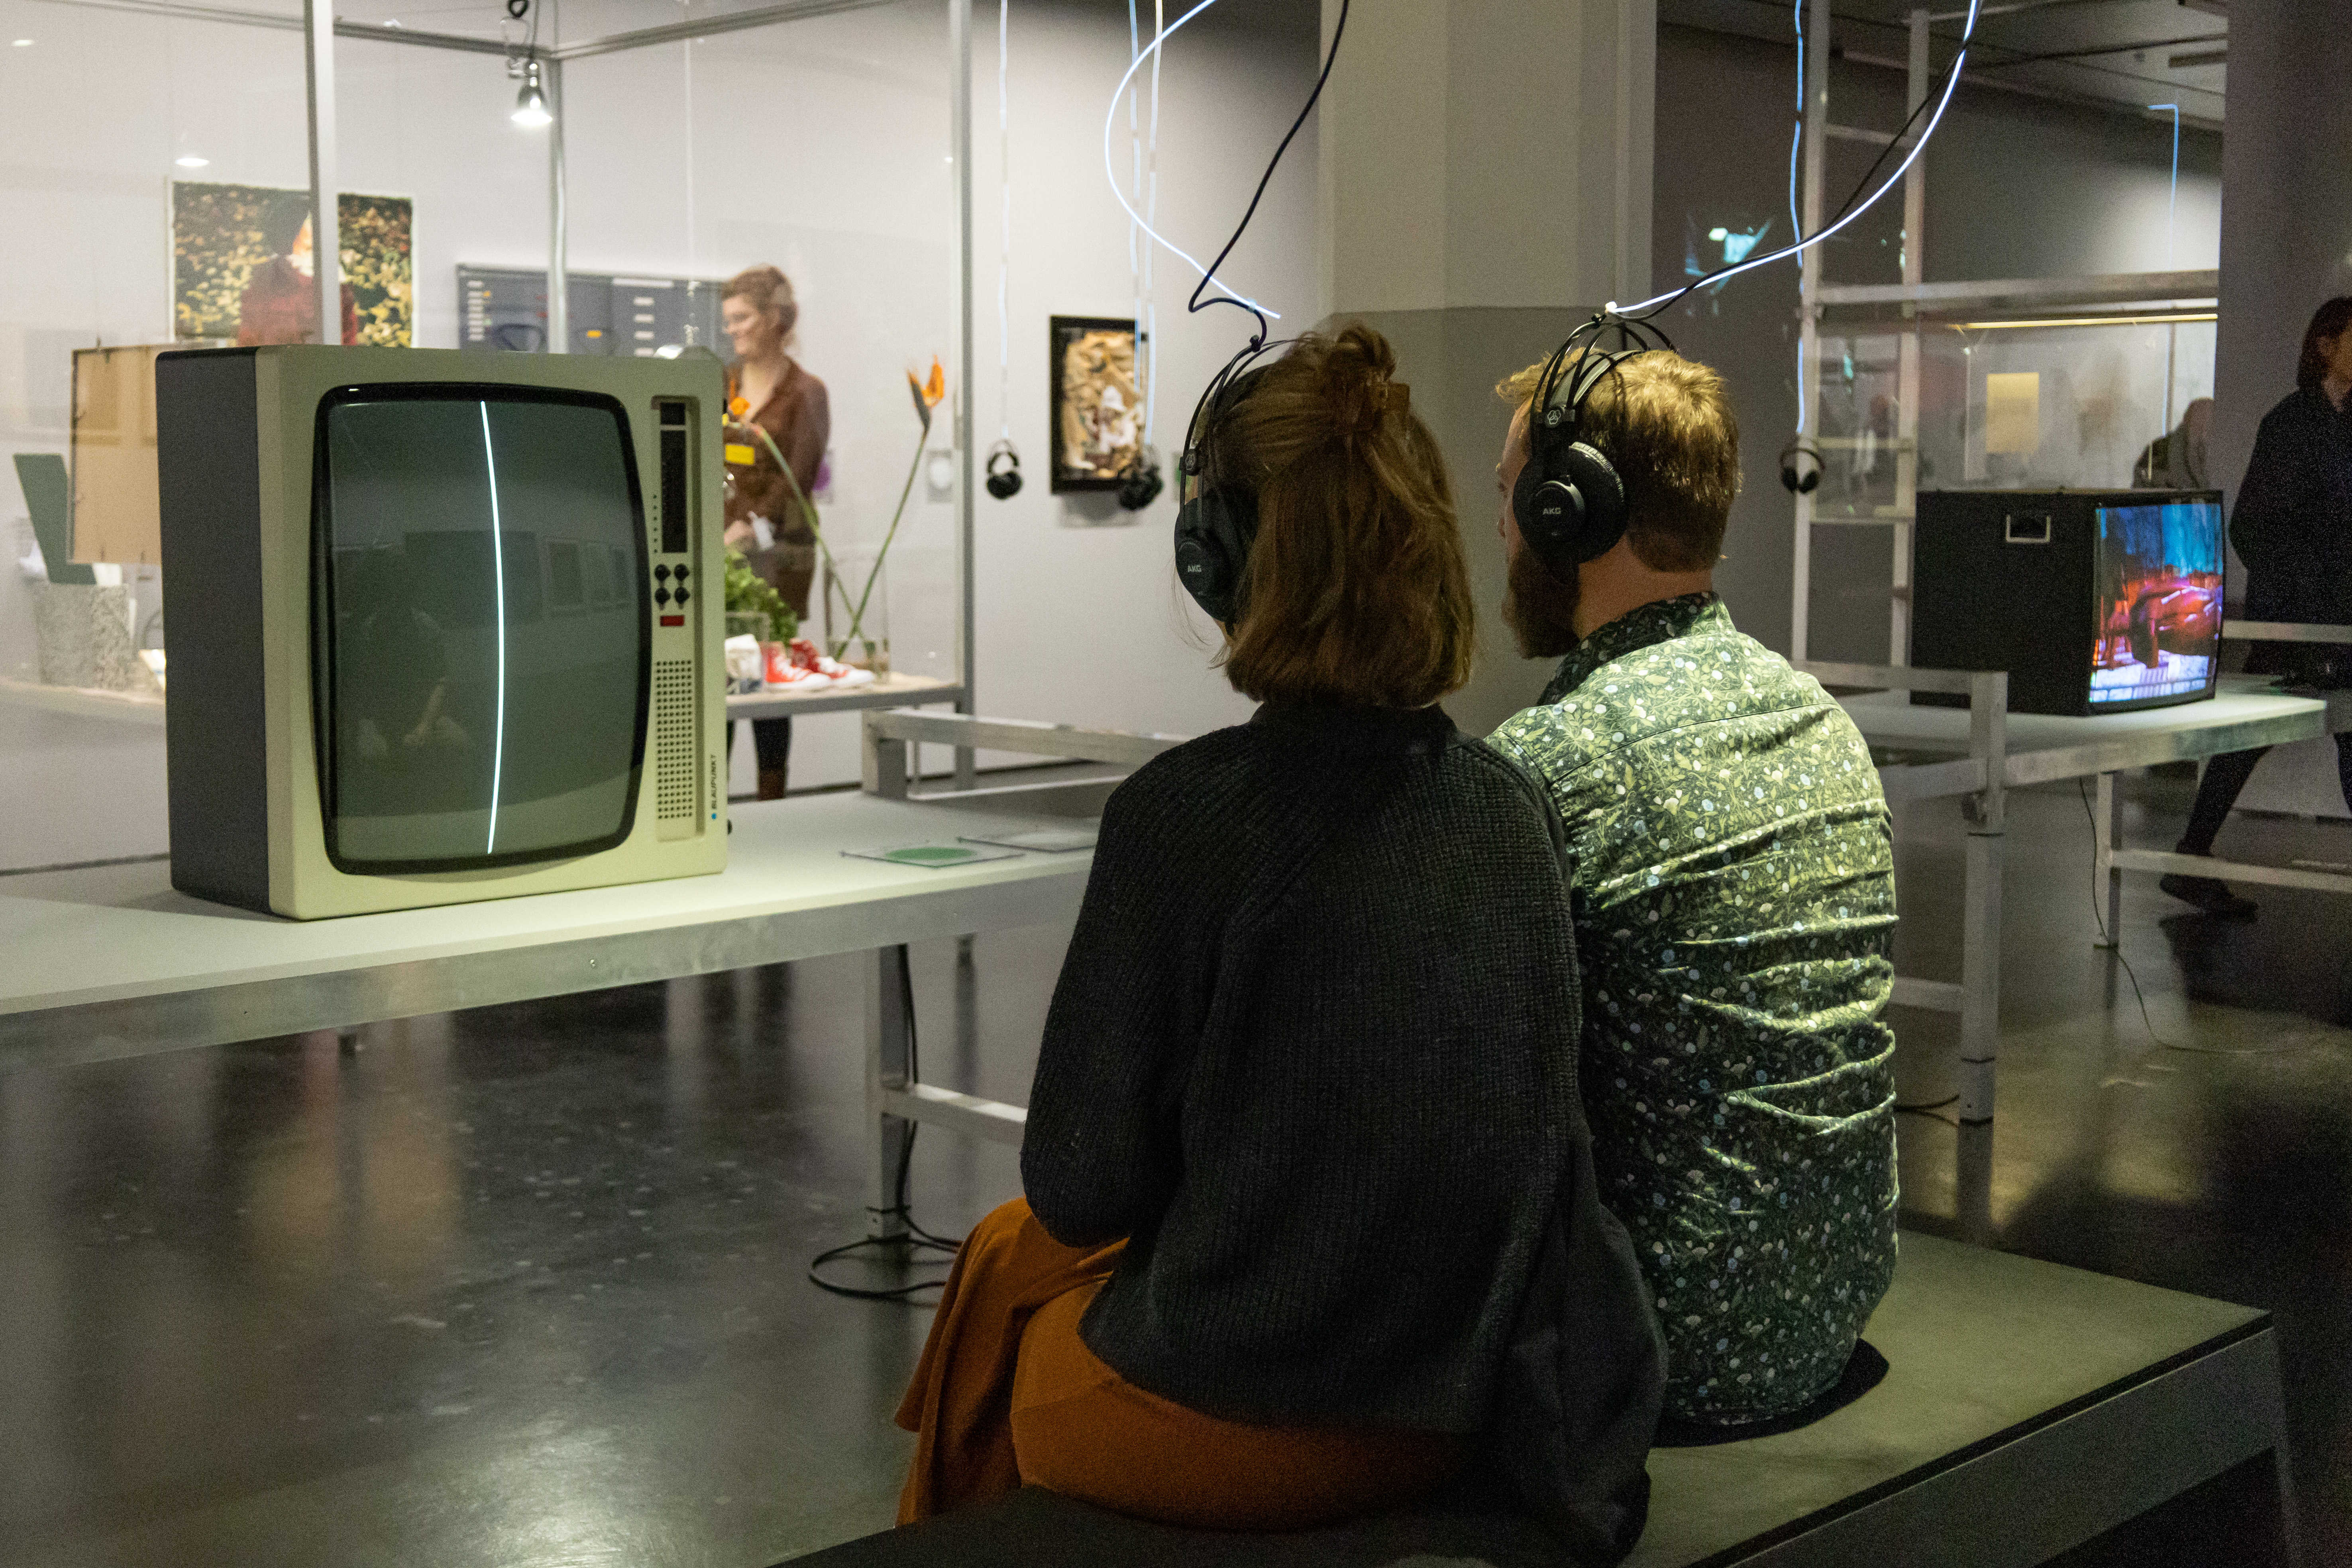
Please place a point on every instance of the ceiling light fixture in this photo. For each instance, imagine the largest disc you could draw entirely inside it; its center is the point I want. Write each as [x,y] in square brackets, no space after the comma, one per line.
[191,161]
[530,103]
[21,44]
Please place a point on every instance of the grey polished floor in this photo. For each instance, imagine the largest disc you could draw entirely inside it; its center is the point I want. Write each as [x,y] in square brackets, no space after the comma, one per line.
[526,1286]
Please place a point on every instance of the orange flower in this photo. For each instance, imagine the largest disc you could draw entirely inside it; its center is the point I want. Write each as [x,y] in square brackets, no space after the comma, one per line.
[929,393]
[738,406]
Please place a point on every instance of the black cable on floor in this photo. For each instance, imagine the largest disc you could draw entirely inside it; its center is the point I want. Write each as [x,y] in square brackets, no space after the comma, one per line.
[915,1239]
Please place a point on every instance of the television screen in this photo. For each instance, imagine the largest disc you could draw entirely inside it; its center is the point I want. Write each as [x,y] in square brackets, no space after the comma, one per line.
[482,625]
[2158,578]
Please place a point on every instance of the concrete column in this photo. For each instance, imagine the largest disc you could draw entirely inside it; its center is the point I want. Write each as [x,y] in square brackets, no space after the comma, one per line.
[2287,208]
[1486,186]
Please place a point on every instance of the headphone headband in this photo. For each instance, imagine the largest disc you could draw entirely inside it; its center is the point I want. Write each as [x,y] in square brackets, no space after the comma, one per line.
[1004,483]
[1569,502]
[1204,413]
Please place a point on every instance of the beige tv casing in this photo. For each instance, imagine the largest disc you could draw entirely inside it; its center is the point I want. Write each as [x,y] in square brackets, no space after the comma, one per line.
[236,441]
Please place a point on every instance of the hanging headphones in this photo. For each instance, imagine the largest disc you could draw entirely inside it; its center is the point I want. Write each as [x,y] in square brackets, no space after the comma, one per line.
[1568,501]
[1140,485]
[1217,522]
[1796,477]
[1005,484]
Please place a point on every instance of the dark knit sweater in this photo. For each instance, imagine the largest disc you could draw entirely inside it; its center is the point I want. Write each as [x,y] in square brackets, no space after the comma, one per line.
[1313,1051]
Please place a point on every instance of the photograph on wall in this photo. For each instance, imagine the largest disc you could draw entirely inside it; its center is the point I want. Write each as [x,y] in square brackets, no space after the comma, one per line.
[2160,587]
[1098,416]
[241,265]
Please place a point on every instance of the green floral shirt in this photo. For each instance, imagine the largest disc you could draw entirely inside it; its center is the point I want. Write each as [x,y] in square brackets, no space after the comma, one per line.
[1734,894]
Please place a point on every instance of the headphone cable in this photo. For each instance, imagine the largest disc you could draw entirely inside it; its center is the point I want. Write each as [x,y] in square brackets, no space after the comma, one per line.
[1195,304]
[1848,212]
[1003,224]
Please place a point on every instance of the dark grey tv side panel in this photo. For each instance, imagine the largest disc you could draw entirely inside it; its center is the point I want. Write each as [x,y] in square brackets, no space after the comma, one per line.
[207,452]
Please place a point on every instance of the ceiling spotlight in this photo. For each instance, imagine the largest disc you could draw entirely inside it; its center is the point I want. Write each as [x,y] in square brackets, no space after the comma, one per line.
[21,44]
[190,161]
[530,103]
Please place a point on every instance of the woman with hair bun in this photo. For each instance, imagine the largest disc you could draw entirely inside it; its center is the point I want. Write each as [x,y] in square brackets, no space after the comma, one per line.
[764,517]
[1306,1106]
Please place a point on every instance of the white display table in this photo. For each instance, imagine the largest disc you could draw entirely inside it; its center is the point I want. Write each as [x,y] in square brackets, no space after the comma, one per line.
[110,961]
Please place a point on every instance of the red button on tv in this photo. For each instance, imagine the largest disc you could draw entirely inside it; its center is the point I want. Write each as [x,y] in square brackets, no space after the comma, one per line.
[673,620]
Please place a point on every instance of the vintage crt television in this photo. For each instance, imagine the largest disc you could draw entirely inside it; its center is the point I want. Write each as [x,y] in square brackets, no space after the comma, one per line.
[2093,601]
[443,626]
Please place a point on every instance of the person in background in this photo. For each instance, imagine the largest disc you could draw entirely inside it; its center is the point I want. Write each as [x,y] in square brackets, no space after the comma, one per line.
[1734,899]
[2292,528]
[281,302]
[2176,461]
[1307,1097]
[765,516]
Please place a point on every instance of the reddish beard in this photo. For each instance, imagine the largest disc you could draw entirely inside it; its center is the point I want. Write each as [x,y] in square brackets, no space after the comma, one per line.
[1539,608]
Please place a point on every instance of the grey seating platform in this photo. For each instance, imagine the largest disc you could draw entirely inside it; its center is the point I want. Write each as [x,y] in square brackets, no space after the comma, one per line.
[2026,1409]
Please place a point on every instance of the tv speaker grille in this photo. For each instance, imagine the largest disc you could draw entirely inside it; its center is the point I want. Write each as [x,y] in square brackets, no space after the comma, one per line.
[674,759]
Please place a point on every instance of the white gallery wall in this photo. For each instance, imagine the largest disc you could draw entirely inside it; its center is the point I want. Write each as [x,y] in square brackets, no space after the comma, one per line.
[819,145]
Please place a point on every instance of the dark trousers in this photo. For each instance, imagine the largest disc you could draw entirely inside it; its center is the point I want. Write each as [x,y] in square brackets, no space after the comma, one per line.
[772,741]
[2225,775]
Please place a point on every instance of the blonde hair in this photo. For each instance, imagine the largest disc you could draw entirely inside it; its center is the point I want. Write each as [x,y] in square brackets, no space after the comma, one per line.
[1356,590]
[767,291]
[1666,424]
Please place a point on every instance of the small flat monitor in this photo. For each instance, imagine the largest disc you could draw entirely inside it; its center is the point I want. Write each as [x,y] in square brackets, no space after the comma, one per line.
[437,623]
[2158,578]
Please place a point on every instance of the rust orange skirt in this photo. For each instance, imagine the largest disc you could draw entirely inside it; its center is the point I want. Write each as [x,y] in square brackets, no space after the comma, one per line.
[1007,1393]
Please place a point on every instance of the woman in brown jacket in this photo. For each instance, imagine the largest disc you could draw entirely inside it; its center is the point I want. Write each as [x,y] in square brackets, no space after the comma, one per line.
[765,518]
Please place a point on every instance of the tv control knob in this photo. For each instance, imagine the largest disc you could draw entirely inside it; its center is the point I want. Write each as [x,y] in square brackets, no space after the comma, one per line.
[681,573]
[661,595]
[661,574]
[680,595]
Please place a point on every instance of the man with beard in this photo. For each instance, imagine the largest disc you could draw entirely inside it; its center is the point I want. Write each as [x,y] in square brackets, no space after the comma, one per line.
[1733,895]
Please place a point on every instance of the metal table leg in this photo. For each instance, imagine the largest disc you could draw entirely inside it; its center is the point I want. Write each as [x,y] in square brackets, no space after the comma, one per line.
[2109,812]
[1988,818]
[1980,974]
[889,1065]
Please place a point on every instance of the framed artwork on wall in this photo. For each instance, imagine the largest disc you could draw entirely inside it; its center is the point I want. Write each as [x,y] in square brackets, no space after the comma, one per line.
[241,265]
[1098,414]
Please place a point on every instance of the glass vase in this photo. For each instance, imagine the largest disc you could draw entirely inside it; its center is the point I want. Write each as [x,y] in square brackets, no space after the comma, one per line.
[857,610]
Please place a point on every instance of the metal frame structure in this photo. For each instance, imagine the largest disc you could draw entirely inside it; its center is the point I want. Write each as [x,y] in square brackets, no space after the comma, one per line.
[2114,860]
[1992,759]
[1918,301]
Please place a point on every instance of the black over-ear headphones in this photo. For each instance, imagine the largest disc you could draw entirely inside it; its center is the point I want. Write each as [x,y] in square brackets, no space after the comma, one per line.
[1140,485]
[1217,522]
[1007,484]
[1568,501]
[1796,477]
